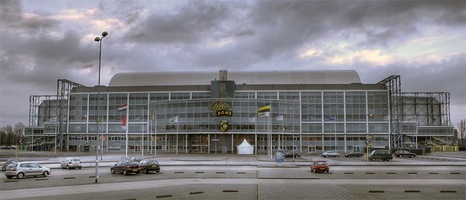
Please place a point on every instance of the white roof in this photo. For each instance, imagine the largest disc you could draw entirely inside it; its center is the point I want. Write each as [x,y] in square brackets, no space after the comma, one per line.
[245,143]
[241,77]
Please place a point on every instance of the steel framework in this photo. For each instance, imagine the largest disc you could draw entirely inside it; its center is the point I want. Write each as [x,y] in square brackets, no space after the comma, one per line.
[44,108]
[393,84]
[64,88]
[427,108]
[39,112]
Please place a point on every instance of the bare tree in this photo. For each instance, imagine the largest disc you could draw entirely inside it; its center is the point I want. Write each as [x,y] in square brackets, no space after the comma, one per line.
[19,133]
[10,136]
[3,137]
[462,130]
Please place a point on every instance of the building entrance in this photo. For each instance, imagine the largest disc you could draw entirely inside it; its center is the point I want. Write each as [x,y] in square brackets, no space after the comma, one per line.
[198,143]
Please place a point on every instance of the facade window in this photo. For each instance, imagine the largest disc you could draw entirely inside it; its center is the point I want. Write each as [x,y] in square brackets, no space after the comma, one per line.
[333,106]
[78,108]
[377,103]
[355,106]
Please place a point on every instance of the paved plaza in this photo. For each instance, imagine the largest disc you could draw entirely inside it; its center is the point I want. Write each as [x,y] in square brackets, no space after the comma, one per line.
[272,181]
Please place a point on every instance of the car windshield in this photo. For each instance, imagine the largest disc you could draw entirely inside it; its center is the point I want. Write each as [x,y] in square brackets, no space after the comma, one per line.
[321,163]
[11,166]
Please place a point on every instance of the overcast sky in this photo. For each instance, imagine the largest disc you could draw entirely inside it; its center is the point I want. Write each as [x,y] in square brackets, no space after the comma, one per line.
[43,41]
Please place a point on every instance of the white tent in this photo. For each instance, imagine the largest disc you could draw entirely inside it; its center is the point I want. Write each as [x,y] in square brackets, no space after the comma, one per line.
[245,148]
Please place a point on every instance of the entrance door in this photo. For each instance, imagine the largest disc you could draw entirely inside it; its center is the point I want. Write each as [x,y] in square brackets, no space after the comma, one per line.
[357,148]
[312,149]
[137,148]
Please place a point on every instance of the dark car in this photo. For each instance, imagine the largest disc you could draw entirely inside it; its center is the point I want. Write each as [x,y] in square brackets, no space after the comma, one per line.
[404,153]
[354,154]
[291,153]
[125,167]
[9,161]
[319,166]
[384,155]
[147,166]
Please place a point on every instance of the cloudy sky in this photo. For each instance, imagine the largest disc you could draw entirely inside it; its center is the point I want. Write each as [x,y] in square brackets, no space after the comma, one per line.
[43,41]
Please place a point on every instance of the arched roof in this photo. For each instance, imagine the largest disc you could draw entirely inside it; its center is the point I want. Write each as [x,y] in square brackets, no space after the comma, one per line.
[239,77]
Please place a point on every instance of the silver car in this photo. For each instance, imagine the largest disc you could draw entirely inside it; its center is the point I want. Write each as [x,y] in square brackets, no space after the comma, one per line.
[71,163]
[330,154]
[22,169]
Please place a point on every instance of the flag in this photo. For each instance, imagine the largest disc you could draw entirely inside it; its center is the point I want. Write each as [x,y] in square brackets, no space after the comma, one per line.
[123,123]
[173,119]
[252,119]
[279,118]
[264,111]
[122,107]
[263,114]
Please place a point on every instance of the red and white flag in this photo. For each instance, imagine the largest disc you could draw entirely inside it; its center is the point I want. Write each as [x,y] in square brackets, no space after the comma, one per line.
[123,122]
[122,107]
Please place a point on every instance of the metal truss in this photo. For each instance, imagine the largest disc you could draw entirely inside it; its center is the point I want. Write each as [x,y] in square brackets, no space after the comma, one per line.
[52,109]
[64,88]
[41,109]
[427,108]
[393,84]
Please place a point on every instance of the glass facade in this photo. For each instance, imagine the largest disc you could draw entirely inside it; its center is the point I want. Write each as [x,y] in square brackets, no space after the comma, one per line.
[193,122]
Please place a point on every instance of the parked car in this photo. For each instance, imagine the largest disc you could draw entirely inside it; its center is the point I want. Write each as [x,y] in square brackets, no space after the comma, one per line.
[330,154]
[7,147]
[136,159]
[23,169]
[71,163]
[404,153]
[292,153]
[125,167]
[147,166]
[384,155]
[9,161]
[319,166]
[354,154]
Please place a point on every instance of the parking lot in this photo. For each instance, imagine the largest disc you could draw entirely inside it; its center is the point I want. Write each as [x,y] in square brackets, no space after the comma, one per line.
[225,176]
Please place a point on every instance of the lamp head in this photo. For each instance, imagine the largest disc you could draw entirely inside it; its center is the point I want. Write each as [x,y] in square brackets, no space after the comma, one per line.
[97,39]
[105,33]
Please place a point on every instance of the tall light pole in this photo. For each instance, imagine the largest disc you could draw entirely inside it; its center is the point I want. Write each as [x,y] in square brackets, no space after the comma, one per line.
[99,40]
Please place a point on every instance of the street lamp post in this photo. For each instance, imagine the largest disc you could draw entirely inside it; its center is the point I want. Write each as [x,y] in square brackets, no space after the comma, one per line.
[99,40]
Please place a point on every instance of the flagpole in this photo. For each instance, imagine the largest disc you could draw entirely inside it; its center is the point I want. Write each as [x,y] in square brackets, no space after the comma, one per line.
[127,127]
[142,131]
[177,129]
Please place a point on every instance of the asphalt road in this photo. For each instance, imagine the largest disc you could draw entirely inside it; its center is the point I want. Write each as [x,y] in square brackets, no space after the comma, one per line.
[247,177]
[248,182]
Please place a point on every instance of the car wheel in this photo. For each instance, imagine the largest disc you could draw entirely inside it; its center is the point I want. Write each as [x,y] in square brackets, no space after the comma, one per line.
[124,172]
[20,175]
[112,171]
[9,177]
[411,156]
[45,174]
[79,168]
[145,171]
[328,171]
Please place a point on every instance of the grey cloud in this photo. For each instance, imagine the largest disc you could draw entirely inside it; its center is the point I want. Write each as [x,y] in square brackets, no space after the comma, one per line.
[446,76]
[11,19]
[195,21]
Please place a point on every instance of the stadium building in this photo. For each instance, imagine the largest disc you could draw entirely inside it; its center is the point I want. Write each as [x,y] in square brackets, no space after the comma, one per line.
[213,112]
